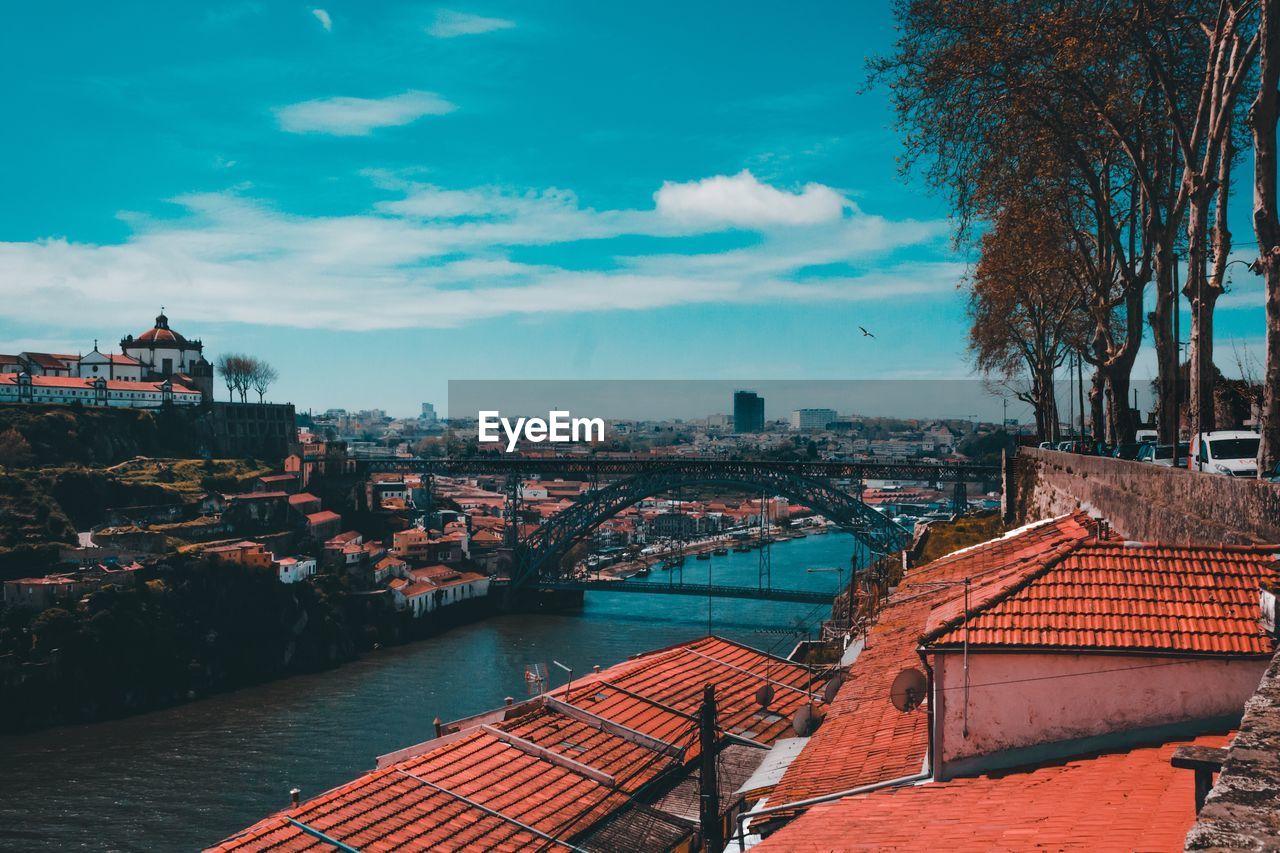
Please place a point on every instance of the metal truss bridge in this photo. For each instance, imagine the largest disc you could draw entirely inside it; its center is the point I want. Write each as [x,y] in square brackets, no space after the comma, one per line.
[617,484]
[595,469]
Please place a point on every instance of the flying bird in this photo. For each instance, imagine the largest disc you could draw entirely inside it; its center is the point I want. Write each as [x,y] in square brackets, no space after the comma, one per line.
[865,333]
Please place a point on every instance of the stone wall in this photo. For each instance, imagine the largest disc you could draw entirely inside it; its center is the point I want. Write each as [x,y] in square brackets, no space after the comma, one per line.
[1242,811]
[1142,501]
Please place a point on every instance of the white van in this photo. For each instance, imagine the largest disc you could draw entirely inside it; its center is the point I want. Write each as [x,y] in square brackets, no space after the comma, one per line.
[1145,436]
[1231,452]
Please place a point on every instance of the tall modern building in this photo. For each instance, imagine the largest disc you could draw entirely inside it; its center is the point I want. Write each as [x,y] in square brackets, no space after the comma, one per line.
[812,420]
[748,411]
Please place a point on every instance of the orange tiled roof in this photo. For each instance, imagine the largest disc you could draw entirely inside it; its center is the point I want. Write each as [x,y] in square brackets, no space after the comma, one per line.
[1109,595]
[322,517]
[1132,800]
[675,678]
[865,738]
[556,765]
[87,383]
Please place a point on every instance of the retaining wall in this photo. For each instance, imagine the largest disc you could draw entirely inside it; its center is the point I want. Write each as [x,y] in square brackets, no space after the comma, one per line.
[1143,501]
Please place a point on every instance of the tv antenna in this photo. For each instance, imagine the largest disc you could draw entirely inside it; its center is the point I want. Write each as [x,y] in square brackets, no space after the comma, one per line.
[535,678]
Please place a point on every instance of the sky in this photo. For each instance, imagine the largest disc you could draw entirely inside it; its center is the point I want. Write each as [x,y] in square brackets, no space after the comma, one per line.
[380,197]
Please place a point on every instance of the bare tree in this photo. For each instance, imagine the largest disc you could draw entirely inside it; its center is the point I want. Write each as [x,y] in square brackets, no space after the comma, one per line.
[261,377]
[232,367]
[1025,307]
[994,98]
[237,371]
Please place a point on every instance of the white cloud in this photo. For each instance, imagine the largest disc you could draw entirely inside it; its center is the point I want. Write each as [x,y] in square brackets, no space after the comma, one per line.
[323,17]
[449,24]
[360,116]
[437,257]
[741,200]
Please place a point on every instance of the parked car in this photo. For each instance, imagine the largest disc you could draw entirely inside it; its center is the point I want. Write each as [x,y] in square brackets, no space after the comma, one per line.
[1084,446]
[1162,454]
[1046,445]
[1128,451]
[1226,451]
[1146,436]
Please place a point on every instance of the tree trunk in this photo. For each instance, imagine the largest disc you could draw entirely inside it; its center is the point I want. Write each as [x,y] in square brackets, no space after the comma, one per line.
[1166,346]
[1120,420]
[1266,223]
[1097,408]
[1200,409]
[1047,406]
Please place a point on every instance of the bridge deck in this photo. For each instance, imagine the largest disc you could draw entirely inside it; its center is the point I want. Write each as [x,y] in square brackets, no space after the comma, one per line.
[699,589]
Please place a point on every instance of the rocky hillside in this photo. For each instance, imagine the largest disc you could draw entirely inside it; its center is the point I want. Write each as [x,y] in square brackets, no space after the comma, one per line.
[62,435]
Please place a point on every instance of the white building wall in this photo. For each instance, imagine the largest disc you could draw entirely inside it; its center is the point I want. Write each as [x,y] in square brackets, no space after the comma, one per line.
[1032,699]
[88,396]
[183,360]
[297,571]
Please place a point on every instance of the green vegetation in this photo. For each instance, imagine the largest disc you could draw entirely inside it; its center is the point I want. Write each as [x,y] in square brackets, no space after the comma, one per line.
[42,508]
[191,478]
[194,628]
[985,448]
[61,435]
[945,537]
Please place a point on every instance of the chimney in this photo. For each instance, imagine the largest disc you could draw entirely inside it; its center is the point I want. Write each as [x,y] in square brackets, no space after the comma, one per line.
[439,724]
[595,668]
[295,797]
[509,700]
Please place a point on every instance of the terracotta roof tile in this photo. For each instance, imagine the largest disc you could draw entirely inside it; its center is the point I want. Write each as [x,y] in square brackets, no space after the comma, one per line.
[1129,800]
[1108,595]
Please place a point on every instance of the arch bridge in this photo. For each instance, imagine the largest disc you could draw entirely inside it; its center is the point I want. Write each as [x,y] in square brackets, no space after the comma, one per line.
[617,484]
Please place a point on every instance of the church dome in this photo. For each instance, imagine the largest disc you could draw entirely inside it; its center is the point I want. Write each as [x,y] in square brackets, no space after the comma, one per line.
[161,334]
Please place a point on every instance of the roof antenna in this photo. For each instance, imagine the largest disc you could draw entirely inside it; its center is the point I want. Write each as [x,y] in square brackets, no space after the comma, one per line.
[568,687]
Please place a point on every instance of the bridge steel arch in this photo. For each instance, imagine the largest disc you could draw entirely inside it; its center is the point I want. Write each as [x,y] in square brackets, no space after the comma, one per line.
[539,554]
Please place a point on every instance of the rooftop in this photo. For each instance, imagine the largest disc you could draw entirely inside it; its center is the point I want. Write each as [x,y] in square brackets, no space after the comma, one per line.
[564,765]
[1109,595]
[1126,800]
[865,738]
[87,383]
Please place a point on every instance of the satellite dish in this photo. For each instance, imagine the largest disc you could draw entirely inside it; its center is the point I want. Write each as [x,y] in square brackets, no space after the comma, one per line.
[908,689]
[804,723]
[833,687]
[764,695]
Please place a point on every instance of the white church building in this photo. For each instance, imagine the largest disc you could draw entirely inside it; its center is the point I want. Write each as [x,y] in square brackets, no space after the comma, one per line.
[156,368]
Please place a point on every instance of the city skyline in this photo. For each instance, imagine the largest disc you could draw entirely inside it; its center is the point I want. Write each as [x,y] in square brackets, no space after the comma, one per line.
[335,190]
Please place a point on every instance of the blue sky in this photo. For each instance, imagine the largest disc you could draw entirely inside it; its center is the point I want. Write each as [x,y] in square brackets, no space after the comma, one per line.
[378,197]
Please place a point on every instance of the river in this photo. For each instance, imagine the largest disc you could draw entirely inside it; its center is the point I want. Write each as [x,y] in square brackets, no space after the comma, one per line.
[185,777]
